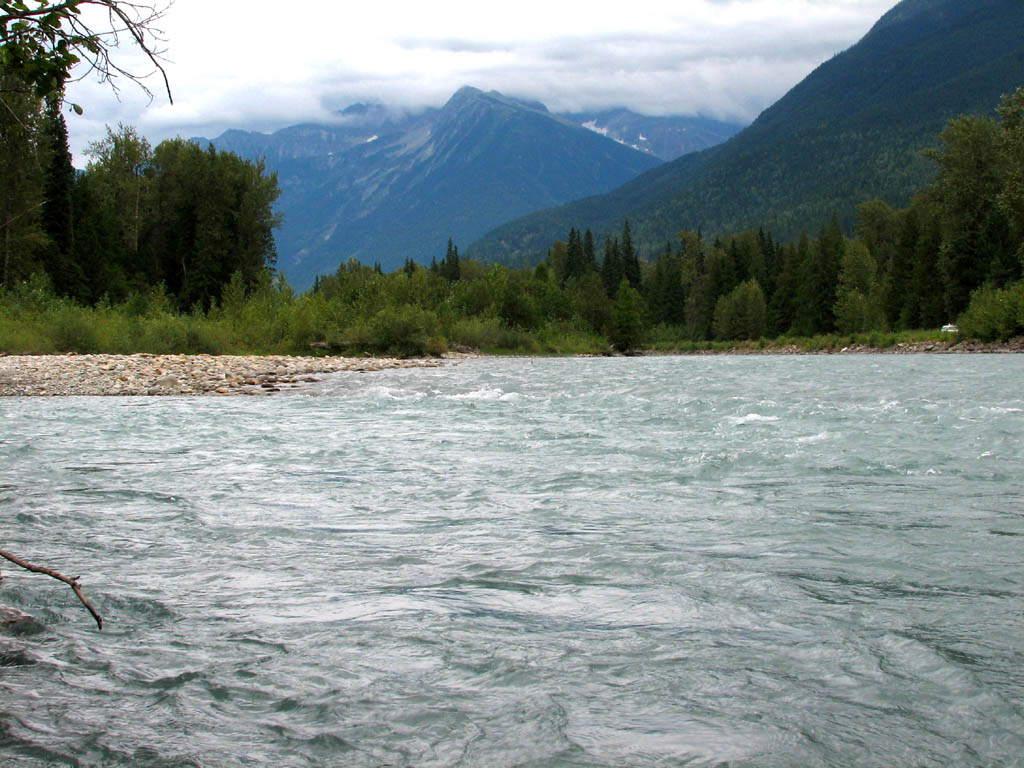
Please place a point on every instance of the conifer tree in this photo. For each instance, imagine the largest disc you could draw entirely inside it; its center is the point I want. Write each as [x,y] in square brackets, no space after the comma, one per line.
[450,269]
[928,298]
[780,309]
[630,261]
[694,283]
[816,294]
[803,296]
[589,256]
[768,260]
[574,255]
[833,249]
[667,300]
[721,270]
[899,296]
[750,258]
[57,215]
[738,260]
[611,267]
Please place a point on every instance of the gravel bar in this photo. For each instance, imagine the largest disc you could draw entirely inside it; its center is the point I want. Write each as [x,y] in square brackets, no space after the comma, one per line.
[119,375]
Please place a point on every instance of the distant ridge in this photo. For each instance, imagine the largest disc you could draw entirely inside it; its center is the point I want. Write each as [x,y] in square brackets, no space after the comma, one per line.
[851,131]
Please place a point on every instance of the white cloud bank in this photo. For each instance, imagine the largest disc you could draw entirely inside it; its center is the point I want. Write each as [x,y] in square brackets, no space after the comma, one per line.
[262,65]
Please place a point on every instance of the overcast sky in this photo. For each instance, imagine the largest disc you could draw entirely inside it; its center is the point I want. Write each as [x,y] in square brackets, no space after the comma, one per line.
[263,65]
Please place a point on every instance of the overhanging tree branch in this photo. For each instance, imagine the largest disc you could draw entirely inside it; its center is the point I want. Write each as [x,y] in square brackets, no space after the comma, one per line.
[73,583]
[42,44]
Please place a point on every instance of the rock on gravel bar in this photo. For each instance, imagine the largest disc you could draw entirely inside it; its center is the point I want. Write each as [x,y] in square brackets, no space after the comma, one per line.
[59,375]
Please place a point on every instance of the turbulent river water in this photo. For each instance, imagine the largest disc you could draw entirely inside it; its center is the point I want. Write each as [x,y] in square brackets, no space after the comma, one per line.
[742,561]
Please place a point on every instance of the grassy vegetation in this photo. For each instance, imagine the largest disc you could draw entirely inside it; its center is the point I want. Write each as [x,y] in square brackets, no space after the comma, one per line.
[274,320]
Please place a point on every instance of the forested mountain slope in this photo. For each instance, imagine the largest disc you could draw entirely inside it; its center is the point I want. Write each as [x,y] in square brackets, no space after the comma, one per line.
[851,131]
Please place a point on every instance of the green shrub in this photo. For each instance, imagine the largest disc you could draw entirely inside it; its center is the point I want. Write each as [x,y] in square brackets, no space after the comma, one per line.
[20,338]
[163,335]
[570,337]
[73,329]
[34,295]
[516,340]
[118,334]
[476,332]
[206,338]
[994,315]
[436,346]
[402,331]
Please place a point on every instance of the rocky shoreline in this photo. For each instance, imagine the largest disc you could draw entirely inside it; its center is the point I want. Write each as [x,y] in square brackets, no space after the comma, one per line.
[142,374]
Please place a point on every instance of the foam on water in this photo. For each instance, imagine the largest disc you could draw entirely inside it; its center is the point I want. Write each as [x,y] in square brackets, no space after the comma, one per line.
[752,418]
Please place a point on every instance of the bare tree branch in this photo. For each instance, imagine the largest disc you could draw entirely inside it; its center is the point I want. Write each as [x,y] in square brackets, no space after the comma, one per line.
[73,583]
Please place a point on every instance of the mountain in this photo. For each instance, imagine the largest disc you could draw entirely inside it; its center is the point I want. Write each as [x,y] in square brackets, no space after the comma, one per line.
[664,137]
[384,186]
[849,132]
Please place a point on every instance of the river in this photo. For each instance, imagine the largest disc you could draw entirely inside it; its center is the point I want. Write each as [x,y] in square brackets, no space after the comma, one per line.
[699,561]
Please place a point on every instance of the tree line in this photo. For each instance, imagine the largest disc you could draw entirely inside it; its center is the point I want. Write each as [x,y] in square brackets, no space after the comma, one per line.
[186,228]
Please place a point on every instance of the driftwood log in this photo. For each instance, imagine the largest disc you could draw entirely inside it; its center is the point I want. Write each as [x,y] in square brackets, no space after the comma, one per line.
[73,583]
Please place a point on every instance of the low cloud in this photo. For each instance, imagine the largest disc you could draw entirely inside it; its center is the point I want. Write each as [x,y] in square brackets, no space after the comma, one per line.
[727,59]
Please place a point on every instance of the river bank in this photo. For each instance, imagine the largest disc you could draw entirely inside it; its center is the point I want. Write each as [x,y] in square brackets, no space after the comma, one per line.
[144,374]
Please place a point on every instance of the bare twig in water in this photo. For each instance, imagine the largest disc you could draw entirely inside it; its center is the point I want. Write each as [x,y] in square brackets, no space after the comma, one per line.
[73,583]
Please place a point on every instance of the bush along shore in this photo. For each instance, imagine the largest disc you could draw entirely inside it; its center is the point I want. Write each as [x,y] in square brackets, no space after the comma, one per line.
[415,313]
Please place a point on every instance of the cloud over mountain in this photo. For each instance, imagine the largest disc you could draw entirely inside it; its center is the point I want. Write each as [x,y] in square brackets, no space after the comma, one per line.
[245,63]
